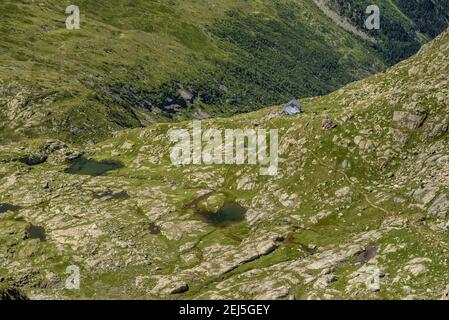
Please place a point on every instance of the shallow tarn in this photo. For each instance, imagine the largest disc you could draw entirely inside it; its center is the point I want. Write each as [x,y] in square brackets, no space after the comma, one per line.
[36,232]
[154,229]
[228,214]
[5,207]
[92,167]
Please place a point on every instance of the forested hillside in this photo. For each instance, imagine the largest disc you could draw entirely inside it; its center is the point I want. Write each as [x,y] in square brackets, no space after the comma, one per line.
[136,62]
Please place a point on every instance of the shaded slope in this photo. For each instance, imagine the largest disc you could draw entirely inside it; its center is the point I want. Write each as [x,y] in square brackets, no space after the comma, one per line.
[369,193]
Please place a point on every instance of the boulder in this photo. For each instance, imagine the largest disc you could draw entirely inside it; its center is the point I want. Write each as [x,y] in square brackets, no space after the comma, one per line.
[327,123]
[409,120]
[439,207]
[33,159]
[12,294]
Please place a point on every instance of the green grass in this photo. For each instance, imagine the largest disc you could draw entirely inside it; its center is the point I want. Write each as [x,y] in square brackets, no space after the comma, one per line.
[131,57]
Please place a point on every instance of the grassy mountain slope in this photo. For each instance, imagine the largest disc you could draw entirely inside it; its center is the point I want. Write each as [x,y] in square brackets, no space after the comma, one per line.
[371,192]
[137,62]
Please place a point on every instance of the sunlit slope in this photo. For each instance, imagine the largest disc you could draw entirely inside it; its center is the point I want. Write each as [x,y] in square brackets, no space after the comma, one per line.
[365,196]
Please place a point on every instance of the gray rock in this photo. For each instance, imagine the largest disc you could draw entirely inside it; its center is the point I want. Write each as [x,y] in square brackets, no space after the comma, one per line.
[179,287]
[52,146]
[439,207]
[409,120]
[76,131]
[34,159]
[327,123]
[445,295]
[186,95]
[12,294]
[436,130]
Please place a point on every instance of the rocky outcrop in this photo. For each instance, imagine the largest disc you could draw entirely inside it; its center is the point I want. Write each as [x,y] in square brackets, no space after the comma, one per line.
[439,207]
[12,294]
[409,120]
